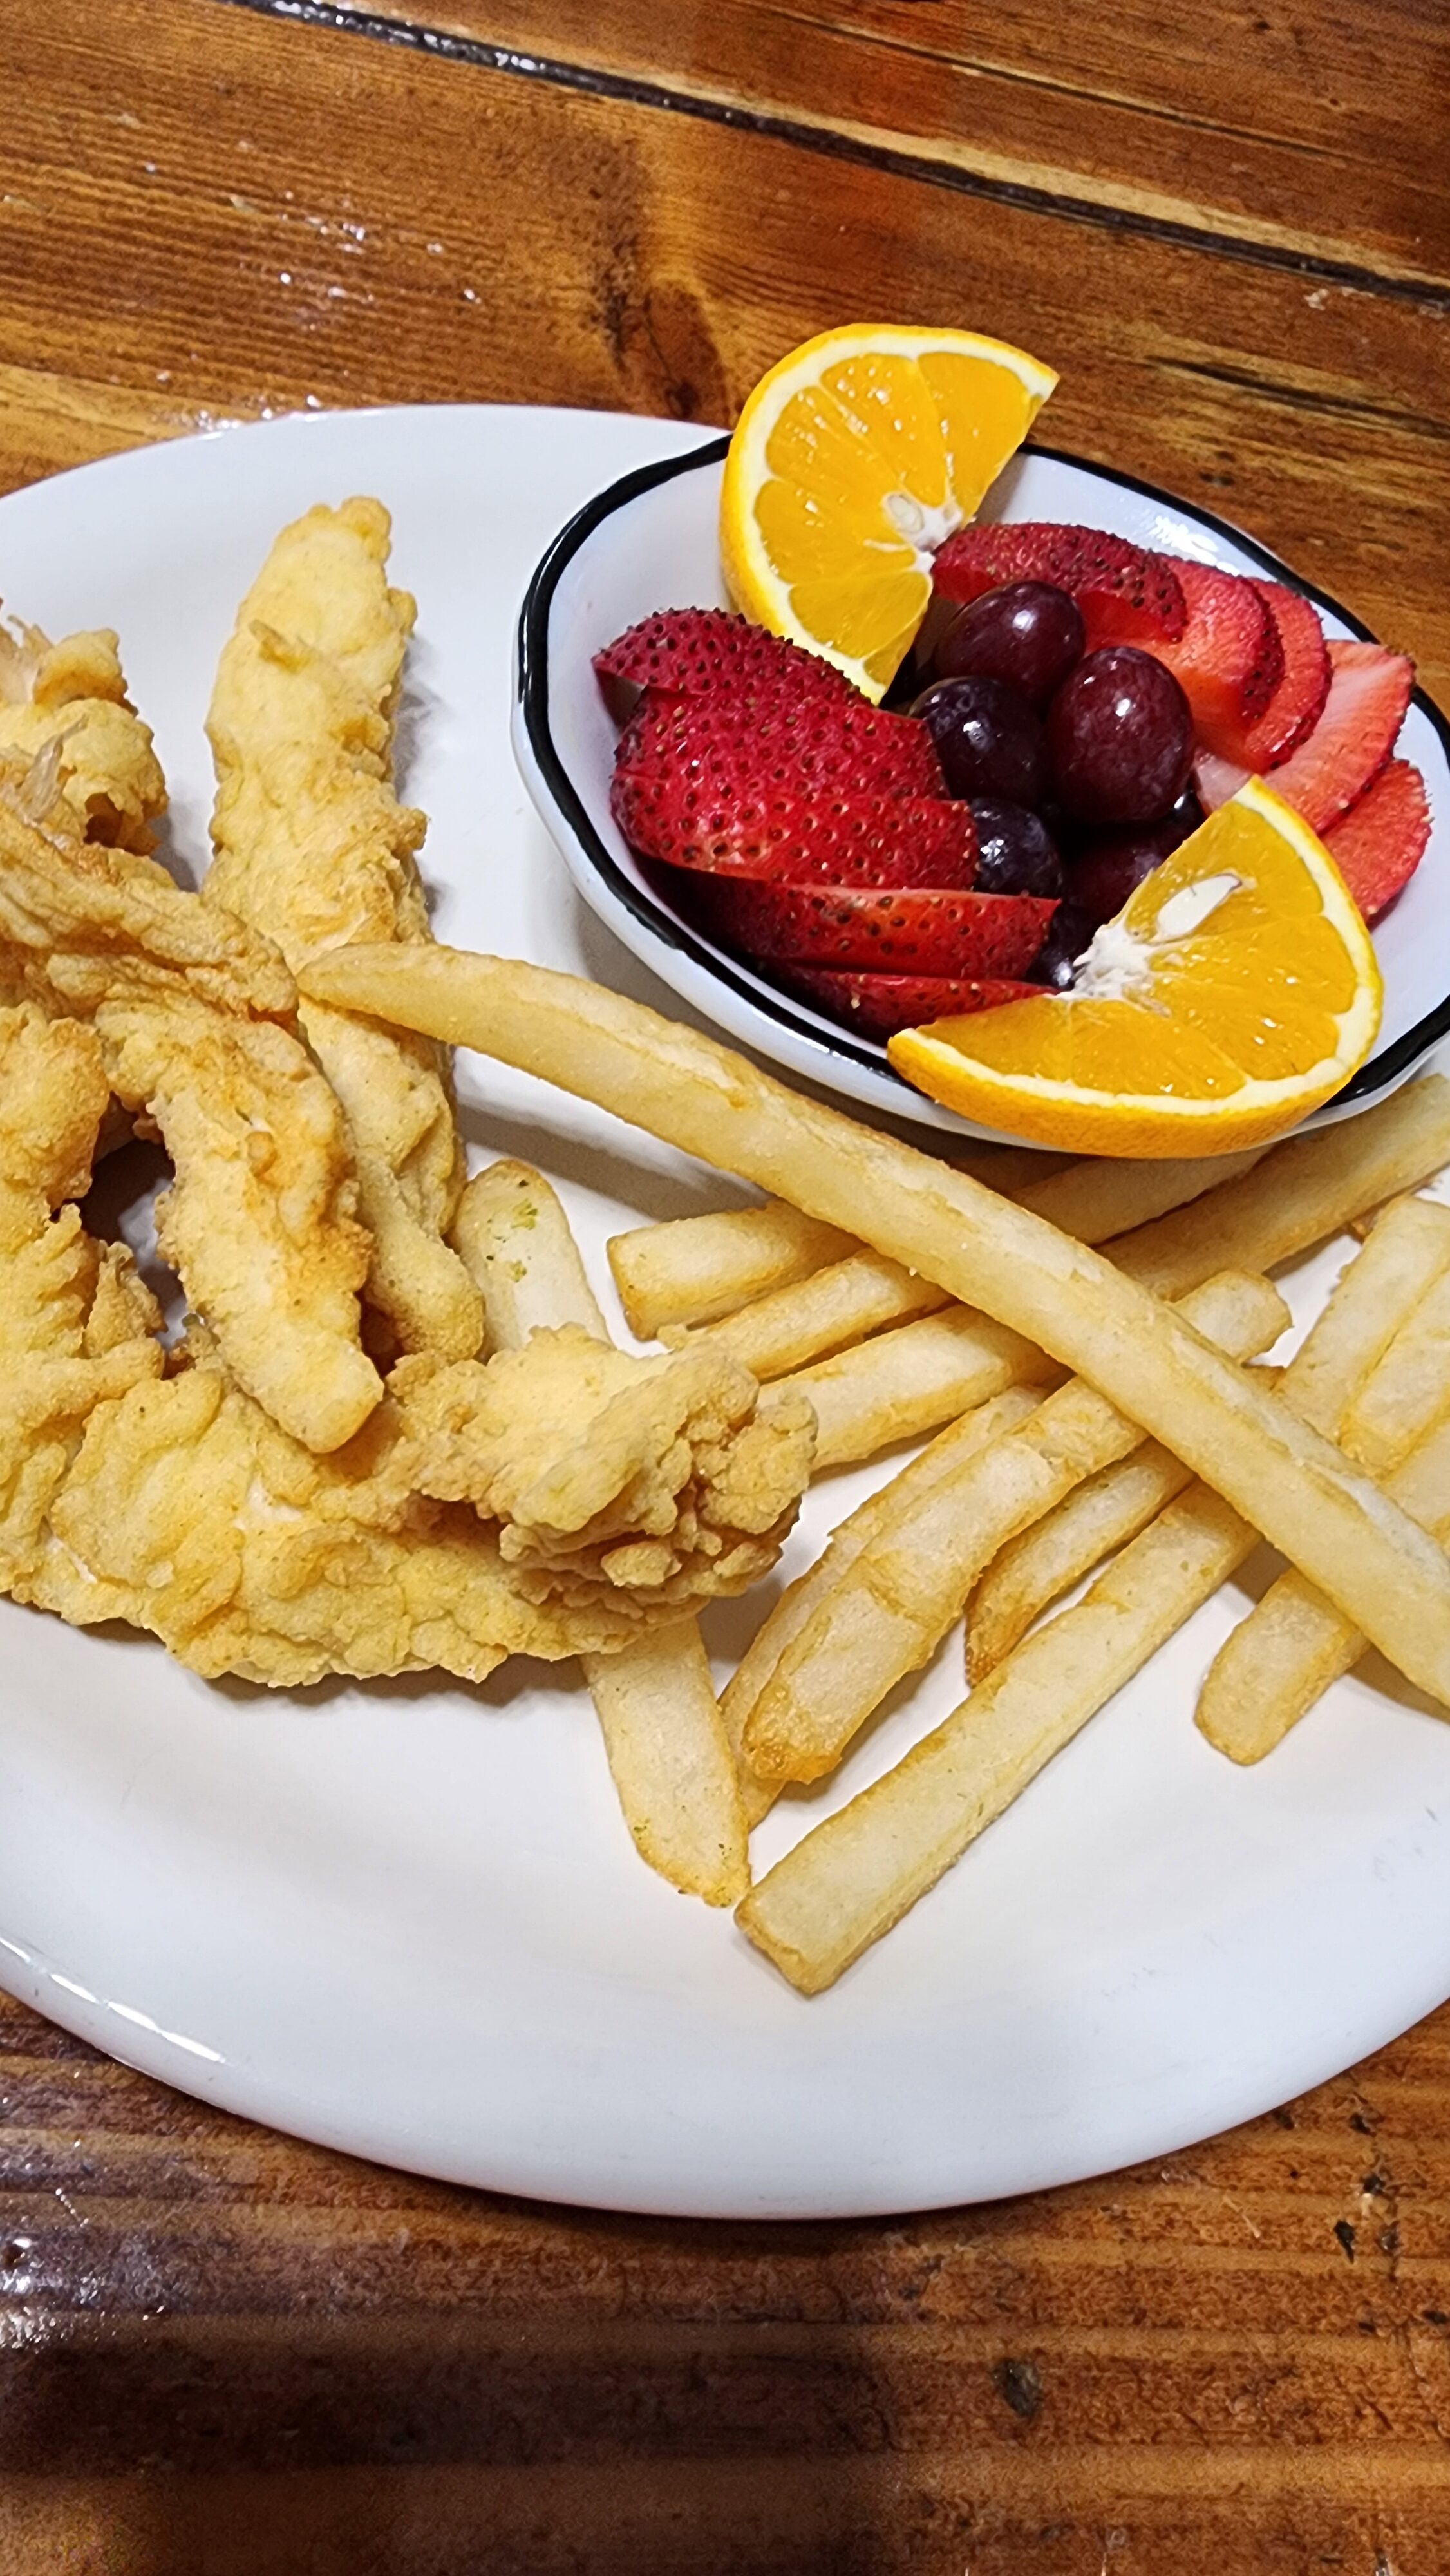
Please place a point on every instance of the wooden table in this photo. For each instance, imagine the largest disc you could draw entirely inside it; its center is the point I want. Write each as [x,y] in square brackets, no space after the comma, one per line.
[222,2354]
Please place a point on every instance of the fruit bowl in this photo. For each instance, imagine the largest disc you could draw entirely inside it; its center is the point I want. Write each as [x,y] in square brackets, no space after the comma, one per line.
[649,541]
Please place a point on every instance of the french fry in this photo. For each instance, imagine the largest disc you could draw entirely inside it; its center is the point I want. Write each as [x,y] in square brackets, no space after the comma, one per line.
[671,1763]
[1410,1389]
[798,1603]
[1301,1193]
[669,1756]
[515,1242]
[1283,1655]
[1099,1198]
[695,1268]
[850,1880]
[687,1089]
[834,1307]
[1034,1569]
[890,1611]
[909,1382]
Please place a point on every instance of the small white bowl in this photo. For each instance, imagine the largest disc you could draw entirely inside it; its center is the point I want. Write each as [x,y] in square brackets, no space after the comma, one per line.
[649,541]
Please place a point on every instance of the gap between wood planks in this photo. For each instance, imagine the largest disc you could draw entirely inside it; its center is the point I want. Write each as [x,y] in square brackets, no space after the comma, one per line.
[1120,210]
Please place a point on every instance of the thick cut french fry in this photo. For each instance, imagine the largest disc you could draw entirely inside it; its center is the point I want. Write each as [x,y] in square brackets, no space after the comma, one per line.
[798,1603]
[846,1883]
[888,1614]
[695,1268]
[1282,1657]
[910,1381]
[515,1242]
[671,1761]
[1410,1389]
[687,1089]
[1034,1569]
[1361,1336]
[835,1307]
[1300,1194]
[1099,1198]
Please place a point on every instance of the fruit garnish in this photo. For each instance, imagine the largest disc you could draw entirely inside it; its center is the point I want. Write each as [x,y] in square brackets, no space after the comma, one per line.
[1298,702]
[1016,853]
[1234,993]
[812,745]
[1369,690]
[1027,635]
[908,931]
[1120,737]
[1106,870]
[1380,842]
[700,652]
[850,463]
[878,1005]
[1229,659]
[794,836]
[1124,594]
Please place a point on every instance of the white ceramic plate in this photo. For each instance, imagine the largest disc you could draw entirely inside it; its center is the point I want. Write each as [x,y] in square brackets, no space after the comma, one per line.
[650,541]
[407,1920]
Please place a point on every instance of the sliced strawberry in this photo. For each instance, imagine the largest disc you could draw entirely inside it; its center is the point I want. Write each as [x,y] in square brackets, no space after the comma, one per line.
[1298,702]
[917,931]
[1369,690]
[812,746]
[1380,842]
[1126,595]
[696,652]
[1228,661]
[876,1006]
[845,840]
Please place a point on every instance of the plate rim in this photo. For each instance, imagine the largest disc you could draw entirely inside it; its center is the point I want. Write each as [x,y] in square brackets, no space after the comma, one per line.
[1383,1071]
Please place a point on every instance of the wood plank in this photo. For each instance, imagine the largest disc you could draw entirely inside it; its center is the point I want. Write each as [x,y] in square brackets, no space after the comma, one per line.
[1284,129]
[315,2363]
[216,213]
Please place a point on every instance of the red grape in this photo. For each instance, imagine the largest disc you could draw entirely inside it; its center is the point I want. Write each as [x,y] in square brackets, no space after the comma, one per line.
[1068,934]
[1016,853]
[988,740]
[1105,871]
[1028,635]
[1121,737]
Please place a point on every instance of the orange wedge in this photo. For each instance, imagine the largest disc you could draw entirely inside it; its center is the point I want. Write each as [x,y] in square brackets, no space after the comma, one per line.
[1235,991]
[850,463]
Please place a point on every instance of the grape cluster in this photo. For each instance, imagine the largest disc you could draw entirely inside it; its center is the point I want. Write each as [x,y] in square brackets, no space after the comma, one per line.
[1076,764]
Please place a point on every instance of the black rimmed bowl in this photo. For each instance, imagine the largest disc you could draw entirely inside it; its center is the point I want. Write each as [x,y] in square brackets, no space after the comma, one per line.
[649,541]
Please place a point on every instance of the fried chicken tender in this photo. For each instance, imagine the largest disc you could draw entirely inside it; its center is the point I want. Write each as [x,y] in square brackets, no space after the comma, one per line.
[75,1321]
[72,696]
[312,846]
[667,1480]
[193,1012]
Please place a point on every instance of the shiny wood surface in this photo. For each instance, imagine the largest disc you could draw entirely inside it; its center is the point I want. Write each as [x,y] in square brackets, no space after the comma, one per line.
[224,2354]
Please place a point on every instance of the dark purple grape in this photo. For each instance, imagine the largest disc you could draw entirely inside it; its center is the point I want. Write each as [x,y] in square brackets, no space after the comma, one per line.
[1105,870]
[988,740]
[1121,737]
[1027,635]
[1016,853]
[1068,934]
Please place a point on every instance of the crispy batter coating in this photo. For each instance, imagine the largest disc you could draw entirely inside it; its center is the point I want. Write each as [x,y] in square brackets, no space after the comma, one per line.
[192,1011]
[313,846]
[73,695]
[668,1480]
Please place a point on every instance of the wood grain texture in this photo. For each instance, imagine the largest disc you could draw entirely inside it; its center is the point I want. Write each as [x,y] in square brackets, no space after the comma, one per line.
[226,2354]
[215,212]
[1257,123]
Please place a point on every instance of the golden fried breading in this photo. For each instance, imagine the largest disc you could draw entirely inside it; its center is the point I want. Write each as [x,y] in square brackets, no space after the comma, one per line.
[313,846]
[73,695]
[668,1480]
[190,1514]
[192,1009]
[75,1322]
